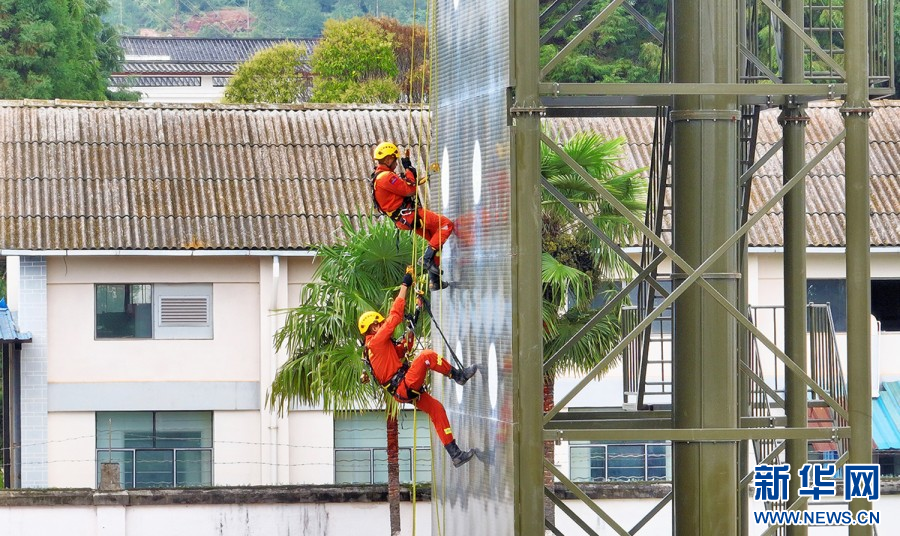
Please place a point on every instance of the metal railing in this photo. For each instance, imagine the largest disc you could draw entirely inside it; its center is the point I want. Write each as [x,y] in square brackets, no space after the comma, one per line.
[648,355]
[372,462]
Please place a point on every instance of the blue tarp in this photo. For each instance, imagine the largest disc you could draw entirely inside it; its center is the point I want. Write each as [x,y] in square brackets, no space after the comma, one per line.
[886,417]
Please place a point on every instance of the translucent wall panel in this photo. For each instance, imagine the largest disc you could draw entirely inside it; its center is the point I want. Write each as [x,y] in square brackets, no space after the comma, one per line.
[470,141]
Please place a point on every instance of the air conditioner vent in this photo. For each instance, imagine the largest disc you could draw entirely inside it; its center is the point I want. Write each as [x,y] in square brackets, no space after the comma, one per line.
[183,311]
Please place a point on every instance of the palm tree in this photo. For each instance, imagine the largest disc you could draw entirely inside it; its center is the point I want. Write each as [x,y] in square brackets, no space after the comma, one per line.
[578,268]
[320,335]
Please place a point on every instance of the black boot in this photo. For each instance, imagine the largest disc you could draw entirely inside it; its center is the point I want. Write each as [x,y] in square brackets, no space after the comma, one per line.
[436,283]
[457,456]
[428,261]
[462,376]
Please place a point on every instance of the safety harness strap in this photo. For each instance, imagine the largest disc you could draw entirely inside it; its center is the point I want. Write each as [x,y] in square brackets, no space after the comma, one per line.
[407,207]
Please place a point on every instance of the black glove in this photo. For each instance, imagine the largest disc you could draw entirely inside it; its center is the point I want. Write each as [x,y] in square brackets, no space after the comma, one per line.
[407,163]
[407,280]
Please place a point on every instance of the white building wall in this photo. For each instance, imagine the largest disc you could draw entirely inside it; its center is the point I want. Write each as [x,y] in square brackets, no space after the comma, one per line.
[228,375]
[252,444]
[76,357]
[206,92]
[71,449]
[312,447]
[237,445]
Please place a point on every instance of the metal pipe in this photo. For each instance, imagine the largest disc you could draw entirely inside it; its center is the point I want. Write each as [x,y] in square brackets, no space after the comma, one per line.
[793,121]
[856,111]
[705,178]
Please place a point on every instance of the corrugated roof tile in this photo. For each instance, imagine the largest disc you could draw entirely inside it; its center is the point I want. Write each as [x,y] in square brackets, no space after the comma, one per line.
[131,176]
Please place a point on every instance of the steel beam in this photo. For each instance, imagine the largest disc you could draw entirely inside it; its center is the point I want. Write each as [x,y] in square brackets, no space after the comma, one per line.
[697,435]
[526,278]
[693,88]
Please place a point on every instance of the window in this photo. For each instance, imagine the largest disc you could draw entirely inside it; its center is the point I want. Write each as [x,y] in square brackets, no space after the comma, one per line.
[886,303]
[619,462]
[157,311]
[832,292]
[360,448]
[157,449]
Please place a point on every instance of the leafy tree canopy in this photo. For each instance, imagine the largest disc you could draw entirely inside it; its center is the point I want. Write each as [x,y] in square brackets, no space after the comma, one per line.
[354,62]
[56,49]
[619,50]
[272,75]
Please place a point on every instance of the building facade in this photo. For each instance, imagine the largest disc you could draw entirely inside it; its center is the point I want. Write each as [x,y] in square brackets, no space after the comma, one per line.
[188,69]
[149,249]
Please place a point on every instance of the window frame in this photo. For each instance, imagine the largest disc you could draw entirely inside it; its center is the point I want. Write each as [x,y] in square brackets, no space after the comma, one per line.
[159,329]
[603,450]
[377,465]
[128,456]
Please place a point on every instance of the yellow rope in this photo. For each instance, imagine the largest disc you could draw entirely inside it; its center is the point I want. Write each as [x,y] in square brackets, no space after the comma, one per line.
[412,63]
[439,495]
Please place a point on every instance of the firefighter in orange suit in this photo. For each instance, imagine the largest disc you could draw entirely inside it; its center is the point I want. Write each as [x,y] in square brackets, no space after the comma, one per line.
[395,196]
[404,380]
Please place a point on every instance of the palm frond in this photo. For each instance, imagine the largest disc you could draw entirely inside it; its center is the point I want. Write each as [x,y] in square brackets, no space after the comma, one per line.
[360,272]
[567,305]
[567,286]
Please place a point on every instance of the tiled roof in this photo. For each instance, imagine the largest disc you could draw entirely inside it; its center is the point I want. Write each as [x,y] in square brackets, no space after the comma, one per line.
[131,68]
[151,176]
[824,184]
[202,50]
[136,176]
[193,55]
[9,332]
[155,81]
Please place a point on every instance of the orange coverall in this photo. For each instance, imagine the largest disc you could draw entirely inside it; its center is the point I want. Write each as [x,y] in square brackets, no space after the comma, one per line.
[391,192]
[386,359]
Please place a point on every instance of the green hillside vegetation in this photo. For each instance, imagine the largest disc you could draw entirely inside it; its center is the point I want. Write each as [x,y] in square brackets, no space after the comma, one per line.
[264,18]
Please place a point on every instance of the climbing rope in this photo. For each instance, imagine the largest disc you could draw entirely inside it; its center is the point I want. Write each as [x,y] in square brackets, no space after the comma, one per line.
[439,494]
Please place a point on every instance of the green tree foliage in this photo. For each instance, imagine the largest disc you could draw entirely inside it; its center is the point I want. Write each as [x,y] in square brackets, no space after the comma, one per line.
[354,62]
[577,265]
[56,49]
[411,56]
[619,50]
[272,75]
[287,18]
[896,52]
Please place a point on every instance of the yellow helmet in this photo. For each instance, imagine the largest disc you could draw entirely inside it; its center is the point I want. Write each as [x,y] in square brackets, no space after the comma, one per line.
[384,149]
[367,319]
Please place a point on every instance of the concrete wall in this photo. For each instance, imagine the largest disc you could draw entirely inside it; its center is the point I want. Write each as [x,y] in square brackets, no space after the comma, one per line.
[313,511]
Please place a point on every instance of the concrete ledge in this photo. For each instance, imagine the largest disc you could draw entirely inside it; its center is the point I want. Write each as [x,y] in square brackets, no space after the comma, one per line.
[306,494]
[219,495]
